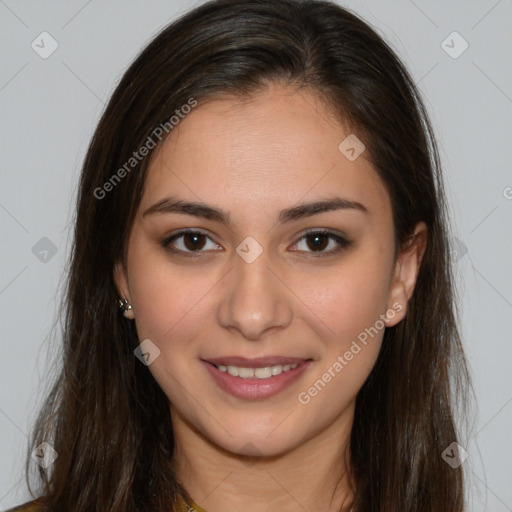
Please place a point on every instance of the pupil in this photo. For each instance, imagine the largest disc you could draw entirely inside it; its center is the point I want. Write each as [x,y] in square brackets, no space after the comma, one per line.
[319,242]
[193,241]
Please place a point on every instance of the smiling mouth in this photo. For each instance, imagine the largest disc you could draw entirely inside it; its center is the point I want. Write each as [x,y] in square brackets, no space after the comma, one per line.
[255,378]
[263,372]
[256,368]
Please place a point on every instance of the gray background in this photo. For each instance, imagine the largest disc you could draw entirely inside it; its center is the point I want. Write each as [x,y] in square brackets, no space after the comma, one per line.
[49,108]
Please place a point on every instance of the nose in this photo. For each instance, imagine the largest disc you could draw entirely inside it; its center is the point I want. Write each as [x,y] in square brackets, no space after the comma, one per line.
[254,301]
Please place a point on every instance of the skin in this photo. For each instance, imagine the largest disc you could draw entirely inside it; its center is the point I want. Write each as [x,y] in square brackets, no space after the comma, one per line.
[252,159]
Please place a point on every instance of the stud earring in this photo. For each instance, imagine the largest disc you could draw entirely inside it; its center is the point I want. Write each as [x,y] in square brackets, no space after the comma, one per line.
[126,308]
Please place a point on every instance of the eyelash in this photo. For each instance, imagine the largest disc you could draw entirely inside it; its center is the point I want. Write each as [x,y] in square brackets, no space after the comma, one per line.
[343,243]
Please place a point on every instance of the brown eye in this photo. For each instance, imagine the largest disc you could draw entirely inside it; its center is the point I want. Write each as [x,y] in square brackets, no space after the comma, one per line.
[317,241]
[194,241]
[187,242]
[321,243]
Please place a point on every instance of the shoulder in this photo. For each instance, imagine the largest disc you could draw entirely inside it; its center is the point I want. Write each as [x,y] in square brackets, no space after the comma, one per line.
[31,506]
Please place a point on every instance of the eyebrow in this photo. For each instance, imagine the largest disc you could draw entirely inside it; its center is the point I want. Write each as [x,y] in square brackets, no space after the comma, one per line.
[205,211]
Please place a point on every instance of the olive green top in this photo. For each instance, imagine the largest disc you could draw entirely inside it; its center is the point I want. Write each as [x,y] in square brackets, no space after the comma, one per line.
[36,506]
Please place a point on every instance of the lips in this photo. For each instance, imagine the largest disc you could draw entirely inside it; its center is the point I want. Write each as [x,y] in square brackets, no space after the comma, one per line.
[257,362]
[255,381]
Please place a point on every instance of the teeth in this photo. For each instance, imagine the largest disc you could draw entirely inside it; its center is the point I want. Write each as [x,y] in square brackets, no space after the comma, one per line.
[246,373]
[233,370]
[276,370]
[260,373]
[263,373]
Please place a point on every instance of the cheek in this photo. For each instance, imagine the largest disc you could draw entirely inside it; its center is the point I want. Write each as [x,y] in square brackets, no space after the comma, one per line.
[350,302]
[350,297]
[351,307]
[170,309]
[167,299]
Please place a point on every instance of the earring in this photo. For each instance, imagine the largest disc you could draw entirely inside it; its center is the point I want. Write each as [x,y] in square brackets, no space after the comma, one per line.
[126,308]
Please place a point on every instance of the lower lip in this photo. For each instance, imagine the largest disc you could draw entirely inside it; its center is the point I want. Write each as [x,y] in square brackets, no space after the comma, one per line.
[252,389]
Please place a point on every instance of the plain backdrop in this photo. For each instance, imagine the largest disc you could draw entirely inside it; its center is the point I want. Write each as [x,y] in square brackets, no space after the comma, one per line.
[50,106]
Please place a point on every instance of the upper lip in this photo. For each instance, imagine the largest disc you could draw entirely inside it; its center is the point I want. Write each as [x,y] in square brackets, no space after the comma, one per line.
[256,362]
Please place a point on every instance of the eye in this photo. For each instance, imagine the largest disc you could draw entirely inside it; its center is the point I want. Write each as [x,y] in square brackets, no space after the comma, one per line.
[320,240]
[188,242]
[318,243]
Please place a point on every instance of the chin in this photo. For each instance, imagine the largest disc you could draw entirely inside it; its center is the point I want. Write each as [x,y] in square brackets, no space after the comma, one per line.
[251,442]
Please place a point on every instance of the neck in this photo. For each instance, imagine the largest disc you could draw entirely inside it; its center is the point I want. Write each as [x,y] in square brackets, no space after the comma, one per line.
[311,476]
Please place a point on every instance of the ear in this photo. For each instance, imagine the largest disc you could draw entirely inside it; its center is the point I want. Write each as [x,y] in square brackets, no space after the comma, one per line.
[405,273]
[121,282]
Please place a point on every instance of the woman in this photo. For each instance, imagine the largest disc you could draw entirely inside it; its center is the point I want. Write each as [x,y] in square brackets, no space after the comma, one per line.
[262,201]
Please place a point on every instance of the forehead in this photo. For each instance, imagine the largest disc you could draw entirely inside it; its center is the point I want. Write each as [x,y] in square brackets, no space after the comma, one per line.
[273,148]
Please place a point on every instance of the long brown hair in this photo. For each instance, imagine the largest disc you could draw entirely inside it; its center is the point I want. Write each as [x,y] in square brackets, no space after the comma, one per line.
[106,417]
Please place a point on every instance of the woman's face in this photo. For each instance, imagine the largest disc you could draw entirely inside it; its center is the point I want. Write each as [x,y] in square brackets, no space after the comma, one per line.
[298,317]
